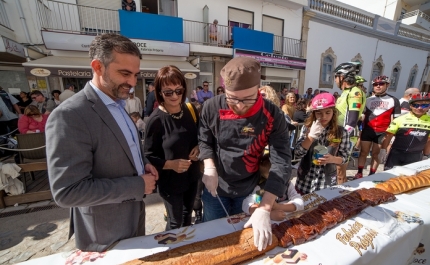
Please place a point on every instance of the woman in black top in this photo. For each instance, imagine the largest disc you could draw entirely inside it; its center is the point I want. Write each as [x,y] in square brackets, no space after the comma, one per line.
[25,101]
[300,114]
[171,146]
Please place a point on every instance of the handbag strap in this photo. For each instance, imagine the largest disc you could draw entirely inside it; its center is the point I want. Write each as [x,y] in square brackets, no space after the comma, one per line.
[191,109]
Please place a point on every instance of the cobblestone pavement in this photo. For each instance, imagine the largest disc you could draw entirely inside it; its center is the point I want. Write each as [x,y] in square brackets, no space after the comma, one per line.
[38,234]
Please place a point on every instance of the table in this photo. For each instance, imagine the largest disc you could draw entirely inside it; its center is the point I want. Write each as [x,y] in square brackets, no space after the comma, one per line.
[390,233]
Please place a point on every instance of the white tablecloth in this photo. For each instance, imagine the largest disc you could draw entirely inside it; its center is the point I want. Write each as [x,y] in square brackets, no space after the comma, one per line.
[387,234]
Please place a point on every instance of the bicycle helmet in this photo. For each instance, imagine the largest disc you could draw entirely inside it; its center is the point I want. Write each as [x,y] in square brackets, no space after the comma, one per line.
[347,72]
[420,97]
[349,69]
[381,78]
[359,79]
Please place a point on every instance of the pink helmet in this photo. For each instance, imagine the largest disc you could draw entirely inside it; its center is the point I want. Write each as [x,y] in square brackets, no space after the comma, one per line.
[323,101]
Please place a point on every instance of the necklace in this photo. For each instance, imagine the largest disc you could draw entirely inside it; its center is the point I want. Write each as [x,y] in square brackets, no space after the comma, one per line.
[177,116]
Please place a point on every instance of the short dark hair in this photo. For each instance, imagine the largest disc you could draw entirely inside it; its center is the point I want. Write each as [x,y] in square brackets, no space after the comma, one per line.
[200,87]
[205,82]
[151,84]
[36,92]
[169,75]
[103,45]
[135,115]
[55,91]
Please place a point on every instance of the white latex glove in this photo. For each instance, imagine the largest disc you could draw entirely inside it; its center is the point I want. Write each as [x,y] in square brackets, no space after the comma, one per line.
[349,129]
[260,222]
[382,155]
[316,130]
[210,179]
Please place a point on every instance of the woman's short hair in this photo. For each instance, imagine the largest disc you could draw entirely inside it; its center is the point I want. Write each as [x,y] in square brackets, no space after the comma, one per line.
[301,104]
[220,88]
[135,115]
[169,75]
[55,91]
[31,110]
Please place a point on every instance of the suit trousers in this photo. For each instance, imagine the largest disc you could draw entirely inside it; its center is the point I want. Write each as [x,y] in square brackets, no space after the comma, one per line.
[179,207]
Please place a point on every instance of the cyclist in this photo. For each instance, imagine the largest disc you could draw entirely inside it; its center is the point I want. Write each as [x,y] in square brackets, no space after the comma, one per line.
[350,104]
[411,132]
[359,80]
[381,108]
[404,101]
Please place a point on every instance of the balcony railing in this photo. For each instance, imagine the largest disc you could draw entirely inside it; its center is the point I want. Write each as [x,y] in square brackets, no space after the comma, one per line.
[408,33]
[4,21]
[287,46]
[418,13]
[64,17]
[207,33]
[341,12]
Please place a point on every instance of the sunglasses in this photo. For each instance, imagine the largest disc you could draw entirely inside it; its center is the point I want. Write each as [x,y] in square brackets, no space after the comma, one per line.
[205,85]
[423,106]
[169,93]
[263,94]
[379,84]
[33,98]
[220,91]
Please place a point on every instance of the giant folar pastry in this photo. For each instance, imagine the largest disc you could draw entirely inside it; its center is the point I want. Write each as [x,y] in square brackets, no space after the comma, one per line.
[227,249]
[403,184]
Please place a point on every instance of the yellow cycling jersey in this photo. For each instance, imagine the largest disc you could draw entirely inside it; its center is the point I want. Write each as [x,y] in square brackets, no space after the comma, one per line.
[411,132]
[351,99]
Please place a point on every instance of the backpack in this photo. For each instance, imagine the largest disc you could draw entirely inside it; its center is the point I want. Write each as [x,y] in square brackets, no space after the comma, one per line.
[6,99]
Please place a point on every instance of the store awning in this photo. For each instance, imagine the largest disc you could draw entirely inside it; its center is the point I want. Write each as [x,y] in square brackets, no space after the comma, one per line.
[79,67]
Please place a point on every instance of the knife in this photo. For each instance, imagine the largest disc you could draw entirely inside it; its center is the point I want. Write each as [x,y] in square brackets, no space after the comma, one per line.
[222,205]
[228,216]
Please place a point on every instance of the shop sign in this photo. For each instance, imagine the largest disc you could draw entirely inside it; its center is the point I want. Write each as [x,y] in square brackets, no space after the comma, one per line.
[74,42]
[12,47]
[190,75]
[41,72]
[273,60]
[62,72]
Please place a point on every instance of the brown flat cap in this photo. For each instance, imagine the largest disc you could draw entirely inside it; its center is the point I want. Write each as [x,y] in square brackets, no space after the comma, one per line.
[241,73]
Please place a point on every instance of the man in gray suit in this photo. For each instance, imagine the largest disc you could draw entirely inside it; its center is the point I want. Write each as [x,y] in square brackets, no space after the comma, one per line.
[95,160]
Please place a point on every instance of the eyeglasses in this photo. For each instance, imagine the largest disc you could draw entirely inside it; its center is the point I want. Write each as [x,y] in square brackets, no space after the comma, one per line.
[169,93]
[236,101]
[423,105]
[379,84]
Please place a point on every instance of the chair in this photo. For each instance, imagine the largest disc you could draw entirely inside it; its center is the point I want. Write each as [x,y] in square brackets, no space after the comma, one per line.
[31,147]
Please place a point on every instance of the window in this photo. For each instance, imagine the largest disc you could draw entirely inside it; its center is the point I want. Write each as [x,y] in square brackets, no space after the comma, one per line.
[378,67]
[240,18]
[358,59]
[376,71]
[395,74]
[412,76]
[327,69]
[276,27]
[328,63]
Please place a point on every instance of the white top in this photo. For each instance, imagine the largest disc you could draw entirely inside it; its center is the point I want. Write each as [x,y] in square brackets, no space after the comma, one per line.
[293,197]
[66,94]
[133,105]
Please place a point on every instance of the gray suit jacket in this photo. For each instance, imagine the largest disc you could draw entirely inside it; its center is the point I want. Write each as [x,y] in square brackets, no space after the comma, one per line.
[91,170]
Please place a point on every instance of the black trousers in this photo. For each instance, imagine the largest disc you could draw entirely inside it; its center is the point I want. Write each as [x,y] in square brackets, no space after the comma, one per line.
[401,158]
[198,206]
[8,126]
[179,207]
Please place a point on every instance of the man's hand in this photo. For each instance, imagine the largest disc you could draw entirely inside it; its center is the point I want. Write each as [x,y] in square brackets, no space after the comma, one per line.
[151,169]
[316,130]
[382,155]
[150,181]
[210,179]
[260,222]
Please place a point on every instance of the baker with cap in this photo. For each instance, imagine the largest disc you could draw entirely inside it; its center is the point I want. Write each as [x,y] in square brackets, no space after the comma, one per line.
[235,128]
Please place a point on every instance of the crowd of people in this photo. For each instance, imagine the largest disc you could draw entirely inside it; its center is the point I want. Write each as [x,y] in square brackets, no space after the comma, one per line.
[218,155]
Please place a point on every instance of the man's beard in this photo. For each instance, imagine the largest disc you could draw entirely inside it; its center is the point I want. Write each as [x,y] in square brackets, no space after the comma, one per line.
[110,85]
